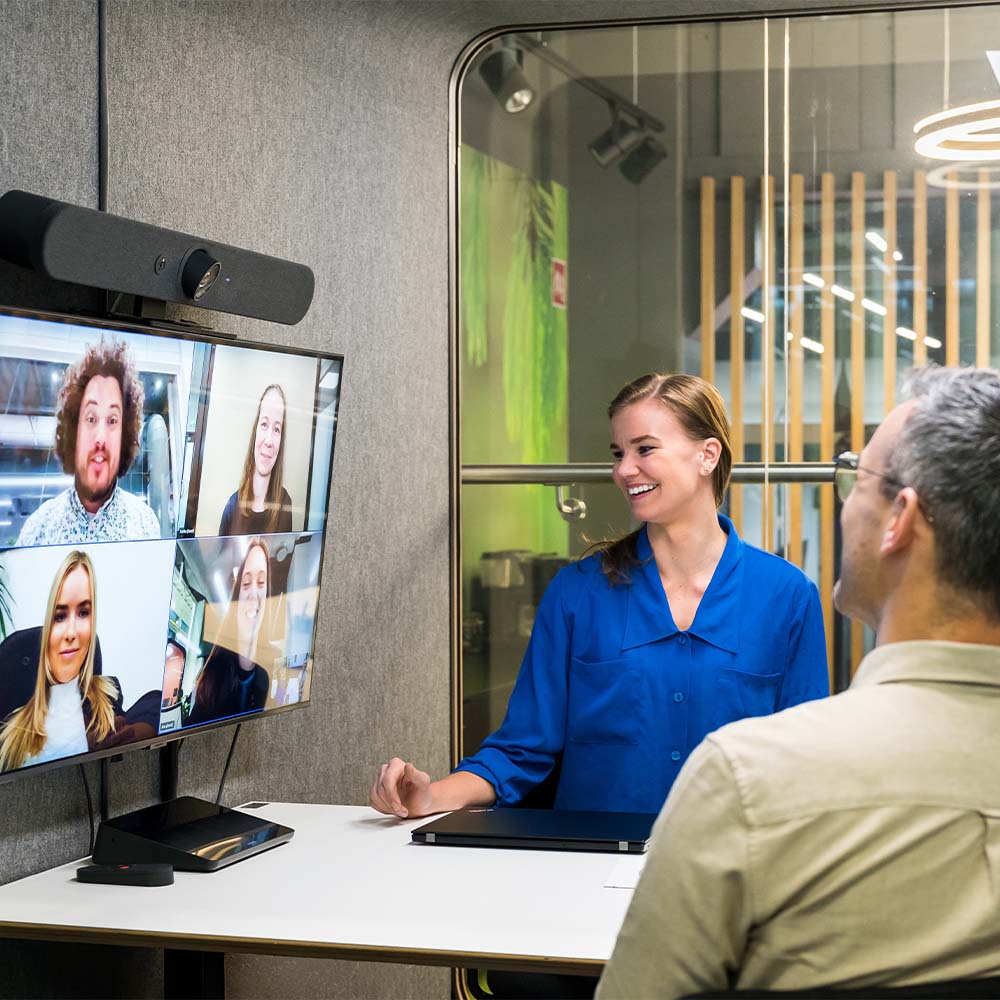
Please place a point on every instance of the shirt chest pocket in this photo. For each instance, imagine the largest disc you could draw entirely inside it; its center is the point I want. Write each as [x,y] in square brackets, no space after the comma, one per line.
[743,694]
[603,703]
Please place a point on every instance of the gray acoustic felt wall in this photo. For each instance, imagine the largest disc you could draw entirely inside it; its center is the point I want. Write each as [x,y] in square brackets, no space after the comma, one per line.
[316,131]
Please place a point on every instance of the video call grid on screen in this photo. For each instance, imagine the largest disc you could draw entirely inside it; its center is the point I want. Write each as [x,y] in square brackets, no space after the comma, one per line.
[163,509]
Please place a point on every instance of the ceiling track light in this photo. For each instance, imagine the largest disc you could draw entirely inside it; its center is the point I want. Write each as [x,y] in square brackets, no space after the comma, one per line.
[617,140]
[637,166]
[502,73]
[634,146]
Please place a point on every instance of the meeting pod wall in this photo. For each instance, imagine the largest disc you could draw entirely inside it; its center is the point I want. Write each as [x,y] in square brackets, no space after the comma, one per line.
[294,129]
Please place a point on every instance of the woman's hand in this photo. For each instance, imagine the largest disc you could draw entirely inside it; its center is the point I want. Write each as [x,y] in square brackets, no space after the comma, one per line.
[402,790]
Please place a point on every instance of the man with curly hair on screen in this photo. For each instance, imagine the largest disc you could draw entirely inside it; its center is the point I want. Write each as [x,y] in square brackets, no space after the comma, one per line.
[97,437]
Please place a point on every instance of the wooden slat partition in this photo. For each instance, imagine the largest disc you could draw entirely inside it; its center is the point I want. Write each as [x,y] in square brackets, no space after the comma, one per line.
[920,266]
[827,223]
[708,278]
[794,222]
[983,240]
[857,354]
[889,291]
[737,268]
[951,251]
[767,348]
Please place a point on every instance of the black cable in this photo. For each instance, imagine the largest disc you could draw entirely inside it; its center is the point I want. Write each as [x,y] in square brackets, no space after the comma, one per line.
[90,806]
[102,106]
[229,760]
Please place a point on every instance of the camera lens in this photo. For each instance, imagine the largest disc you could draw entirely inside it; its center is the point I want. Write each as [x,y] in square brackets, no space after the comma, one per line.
[199,274]
[206,280]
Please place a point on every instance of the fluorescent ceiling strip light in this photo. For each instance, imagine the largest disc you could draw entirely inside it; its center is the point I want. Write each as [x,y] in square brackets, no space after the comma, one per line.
[813,279]
[812,345]
[28,481]
[877,241]
[757,317]
[903,331]
[874,307]
[842,293]
[932,342]
[896,255]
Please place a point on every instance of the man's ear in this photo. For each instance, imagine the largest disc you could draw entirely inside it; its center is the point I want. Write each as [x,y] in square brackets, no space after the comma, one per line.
[900,529]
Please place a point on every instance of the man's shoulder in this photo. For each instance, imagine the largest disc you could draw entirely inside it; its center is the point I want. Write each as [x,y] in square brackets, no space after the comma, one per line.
[787,764]
[42,522]
[136,508]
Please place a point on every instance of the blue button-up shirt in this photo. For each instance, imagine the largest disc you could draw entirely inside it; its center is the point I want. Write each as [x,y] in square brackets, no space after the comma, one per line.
[611,687]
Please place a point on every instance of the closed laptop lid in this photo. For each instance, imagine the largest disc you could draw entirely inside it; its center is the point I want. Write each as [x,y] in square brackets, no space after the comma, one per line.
[542,829]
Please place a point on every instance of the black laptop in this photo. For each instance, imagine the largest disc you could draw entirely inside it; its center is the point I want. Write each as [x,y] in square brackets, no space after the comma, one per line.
[540,829]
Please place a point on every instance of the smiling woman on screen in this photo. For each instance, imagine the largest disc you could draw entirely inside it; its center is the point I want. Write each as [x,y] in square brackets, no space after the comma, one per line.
[261,505]
[233,681]
[654,640]
[73,709]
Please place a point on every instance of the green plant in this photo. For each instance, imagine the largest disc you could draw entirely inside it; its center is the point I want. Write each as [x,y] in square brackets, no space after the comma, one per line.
[477,172]
[535,330]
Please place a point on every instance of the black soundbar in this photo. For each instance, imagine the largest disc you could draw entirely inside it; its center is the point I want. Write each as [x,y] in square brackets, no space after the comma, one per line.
[108,251]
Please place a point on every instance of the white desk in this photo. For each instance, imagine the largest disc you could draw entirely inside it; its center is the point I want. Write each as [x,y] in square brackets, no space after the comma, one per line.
[351,885]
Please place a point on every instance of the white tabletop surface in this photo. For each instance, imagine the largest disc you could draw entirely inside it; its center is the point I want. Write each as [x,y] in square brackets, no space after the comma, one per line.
[350,884]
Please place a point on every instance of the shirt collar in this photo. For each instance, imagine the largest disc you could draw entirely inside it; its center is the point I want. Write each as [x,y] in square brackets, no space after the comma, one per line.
[934,661]
[716,621]
[81,512]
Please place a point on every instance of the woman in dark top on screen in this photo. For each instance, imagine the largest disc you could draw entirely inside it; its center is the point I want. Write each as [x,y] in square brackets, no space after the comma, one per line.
[232,681]
[262,506]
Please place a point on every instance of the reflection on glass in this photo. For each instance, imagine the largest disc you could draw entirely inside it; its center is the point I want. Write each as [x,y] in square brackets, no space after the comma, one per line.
[793,245]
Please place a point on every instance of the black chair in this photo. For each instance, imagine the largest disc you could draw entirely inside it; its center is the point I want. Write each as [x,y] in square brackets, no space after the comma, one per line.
[950,989]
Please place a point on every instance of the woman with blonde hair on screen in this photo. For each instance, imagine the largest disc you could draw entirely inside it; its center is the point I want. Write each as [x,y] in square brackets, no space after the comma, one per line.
[261,505]
[73,709]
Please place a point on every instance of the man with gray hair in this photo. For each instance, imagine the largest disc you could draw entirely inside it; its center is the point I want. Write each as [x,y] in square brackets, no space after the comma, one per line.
[854,842]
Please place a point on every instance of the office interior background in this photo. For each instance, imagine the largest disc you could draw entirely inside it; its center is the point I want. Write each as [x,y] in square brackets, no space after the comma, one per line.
[789,243]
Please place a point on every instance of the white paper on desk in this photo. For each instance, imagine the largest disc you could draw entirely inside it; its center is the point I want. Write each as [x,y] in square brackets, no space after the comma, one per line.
[626,872]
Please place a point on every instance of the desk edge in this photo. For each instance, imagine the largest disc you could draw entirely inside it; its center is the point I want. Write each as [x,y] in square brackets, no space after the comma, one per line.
[299,949]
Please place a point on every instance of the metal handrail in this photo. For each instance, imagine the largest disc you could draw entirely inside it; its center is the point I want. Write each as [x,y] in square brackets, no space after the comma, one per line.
[600,472]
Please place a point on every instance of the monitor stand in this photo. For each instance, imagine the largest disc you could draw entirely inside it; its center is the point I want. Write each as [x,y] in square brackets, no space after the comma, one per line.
[191,834]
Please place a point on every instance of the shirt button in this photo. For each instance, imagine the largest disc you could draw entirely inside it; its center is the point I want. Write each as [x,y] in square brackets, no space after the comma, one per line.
[678,696]
[683,639]
[675,755]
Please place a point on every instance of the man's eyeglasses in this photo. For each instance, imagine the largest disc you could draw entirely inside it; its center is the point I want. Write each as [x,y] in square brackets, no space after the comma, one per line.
[845,475]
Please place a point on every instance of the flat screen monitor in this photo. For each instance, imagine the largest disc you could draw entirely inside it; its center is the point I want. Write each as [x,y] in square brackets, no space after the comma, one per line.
[163,511]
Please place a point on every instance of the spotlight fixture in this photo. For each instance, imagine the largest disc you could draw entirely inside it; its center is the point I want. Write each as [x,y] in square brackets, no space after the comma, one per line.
[638,165]
[501,71]
[616,141]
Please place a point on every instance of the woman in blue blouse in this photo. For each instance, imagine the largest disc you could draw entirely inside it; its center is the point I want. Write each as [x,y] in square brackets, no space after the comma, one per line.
[641,649]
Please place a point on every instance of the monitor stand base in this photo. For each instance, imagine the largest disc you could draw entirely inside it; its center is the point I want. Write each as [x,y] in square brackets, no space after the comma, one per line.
[188,833]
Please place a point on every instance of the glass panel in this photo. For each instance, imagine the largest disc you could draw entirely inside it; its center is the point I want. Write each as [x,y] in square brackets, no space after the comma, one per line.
[886,257]
[743,200]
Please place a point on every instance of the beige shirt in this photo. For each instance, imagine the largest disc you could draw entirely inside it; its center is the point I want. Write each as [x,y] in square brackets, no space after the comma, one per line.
[846,842]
